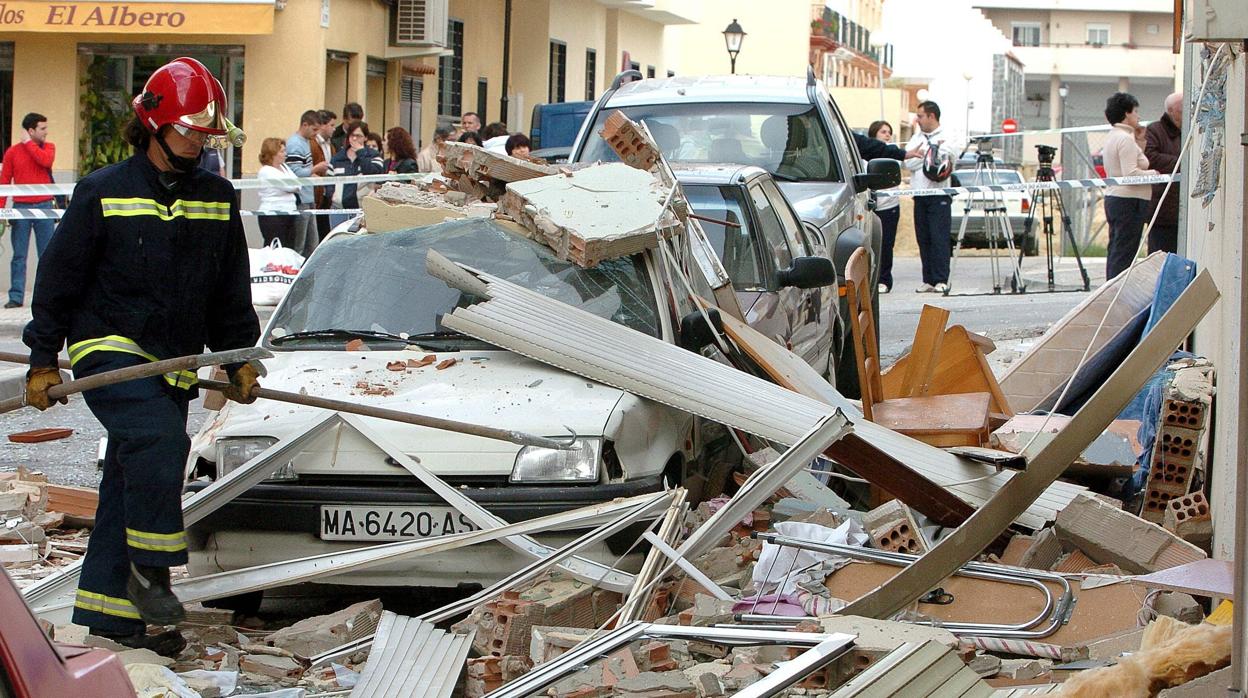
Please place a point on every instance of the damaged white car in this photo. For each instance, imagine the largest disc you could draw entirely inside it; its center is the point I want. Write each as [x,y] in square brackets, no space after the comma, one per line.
[362,323]
[365,301]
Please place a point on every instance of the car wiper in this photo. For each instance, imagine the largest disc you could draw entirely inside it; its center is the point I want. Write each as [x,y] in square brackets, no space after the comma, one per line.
[437,334]
[338,334]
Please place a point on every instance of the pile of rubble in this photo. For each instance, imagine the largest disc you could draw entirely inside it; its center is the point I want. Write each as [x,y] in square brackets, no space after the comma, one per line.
[939,569]
[42,526]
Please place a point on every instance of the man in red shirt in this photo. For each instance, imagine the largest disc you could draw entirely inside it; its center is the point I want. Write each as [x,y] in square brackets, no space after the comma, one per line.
[28,162]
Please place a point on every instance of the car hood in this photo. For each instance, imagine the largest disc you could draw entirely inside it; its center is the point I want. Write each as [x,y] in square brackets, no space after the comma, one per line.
[491,388]
[817,202]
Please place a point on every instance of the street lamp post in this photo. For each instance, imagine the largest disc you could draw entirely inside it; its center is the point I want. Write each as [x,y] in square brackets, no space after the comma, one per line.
[969,104]
[733,36]
[879,43]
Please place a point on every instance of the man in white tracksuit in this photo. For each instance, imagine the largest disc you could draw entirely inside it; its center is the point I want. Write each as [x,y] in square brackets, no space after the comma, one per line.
[932,214]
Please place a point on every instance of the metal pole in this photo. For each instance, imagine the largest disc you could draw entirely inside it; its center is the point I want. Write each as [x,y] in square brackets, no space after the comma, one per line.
[879,64]
[1240,616]
[505,102]
[188,363]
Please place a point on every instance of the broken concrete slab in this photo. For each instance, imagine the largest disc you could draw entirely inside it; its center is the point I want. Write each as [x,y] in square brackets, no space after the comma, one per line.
[312,636]
[504,626]
[1110,535]
[479,163]
[395,207]
[597,213]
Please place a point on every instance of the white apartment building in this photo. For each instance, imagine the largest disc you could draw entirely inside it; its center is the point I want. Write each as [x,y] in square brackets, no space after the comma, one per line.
[1094,48]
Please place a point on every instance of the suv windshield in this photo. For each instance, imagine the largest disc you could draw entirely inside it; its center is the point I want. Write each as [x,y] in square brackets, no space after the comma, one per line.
[787,140]
[375,287]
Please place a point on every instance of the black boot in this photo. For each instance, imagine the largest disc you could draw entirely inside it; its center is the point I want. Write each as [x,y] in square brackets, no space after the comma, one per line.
[169,643]
[148,589]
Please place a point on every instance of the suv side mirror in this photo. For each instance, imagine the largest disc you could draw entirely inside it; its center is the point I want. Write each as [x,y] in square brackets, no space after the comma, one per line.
[694,332]
[881,173]
[808,272]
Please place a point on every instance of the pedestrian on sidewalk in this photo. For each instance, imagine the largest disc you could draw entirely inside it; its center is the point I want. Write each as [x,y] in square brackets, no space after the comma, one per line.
[299,160]
[936,151]
[290,230]
[352,113]
[356,158]
[148,263]
[1125,205]
[323,151]
[29,162]
[401,152]
[1163,139]
[888,209]
[427,158]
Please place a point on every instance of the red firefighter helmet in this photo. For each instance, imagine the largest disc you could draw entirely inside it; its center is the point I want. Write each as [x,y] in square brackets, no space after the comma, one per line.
[183,92]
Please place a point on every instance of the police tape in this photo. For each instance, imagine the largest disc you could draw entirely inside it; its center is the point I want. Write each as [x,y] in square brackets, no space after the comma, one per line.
[7,190]
[1051,131]
[43,214]
[1062,184]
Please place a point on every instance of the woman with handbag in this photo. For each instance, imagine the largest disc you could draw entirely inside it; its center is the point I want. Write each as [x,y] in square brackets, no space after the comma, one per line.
[290,228]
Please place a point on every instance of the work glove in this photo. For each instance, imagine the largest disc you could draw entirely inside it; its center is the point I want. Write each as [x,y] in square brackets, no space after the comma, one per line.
[242,383]
[38,380]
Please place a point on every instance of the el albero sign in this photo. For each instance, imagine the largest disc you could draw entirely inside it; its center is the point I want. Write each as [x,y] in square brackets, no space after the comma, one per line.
[138,17]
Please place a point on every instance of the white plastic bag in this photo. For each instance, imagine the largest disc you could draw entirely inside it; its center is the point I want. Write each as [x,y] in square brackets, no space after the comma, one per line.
[273,270]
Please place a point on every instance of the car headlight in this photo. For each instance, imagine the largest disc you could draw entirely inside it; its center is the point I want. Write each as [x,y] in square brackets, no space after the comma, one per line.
[535,465]
[233,452]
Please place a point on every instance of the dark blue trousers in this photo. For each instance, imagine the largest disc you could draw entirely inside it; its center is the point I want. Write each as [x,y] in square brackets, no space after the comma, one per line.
[1126,218]
[139,518]
[888,229]
[932,224]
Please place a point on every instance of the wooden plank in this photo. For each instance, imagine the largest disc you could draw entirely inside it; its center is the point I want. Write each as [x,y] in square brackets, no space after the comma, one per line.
[987,523]
[924,352]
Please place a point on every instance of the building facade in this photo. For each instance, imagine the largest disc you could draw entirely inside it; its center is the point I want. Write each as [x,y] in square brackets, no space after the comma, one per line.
[1094,47]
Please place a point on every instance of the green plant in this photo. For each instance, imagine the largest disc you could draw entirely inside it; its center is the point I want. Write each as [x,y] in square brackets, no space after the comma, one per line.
[101,142]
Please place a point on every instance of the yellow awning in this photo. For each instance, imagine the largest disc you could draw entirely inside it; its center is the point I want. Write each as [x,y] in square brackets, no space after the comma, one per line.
[138,17]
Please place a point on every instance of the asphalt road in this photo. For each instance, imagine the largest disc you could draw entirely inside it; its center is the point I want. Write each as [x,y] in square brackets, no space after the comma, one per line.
[1002,318]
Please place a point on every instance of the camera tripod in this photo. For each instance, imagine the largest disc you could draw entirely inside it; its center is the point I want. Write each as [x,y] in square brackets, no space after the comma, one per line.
[996,223]
[1046,201]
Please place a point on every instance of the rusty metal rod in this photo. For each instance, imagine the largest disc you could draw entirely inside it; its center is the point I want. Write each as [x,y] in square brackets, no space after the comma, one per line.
[147,370]
[99,380]
[708,219]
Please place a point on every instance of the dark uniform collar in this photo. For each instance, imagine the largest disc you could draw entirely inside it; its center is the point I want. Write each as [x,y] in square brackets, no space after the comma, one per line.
[169,185]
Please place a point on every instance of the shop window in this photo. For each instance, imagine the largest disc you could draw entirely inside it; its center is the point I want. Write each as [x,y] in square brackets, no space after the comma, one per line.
[591,73]
[483,98]
[116,72]
[558,71]
[451,72]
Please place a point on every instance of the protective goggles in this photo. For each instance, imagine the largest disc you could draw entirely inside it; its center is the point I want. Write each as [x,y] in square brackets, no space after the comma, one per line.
[233,135]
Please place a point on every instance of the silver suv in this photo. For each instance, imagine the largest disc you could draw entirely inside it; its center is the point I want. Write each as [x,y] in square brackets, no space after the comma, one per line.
[786,125]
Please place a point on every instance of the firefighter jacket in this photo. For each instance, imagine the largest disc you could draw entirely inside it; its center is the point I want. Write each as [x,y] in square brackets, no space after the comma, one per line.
[139,267]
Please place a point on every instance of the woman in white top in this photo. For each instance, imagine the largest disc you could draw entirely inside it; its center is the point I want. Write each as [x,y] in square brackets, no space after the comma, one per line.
[888,208]
[291,230]
[1126,206]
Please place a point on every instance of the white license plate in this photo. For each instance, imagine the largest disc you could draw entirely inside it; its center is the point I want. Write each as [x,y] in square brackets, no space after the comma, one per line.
[391,523]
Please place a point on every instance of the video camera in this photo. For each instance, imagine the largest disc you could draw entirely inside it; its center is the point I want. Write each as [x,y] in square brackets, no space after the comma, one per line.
[1046,153]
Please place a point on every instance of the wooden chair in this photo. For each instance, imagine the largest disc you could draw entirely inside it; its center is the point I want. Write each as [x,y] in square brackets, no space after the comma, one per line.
[946,362]
[939,420]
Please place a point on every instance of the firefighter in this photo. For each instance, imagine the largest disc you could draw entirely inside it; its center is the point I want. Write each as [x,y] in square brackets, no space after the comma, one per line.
[149,262]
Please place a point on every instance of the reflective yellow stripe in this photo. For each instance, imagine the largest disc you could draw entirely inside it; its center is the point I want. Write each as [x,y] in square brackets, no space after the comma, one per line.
[111,605]
[160,542]
[113,342]
[180,208]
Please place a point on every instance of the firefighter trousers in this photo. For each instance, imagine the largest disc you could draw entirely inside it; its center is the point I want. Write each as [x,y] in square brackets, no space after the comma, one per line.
[139,518]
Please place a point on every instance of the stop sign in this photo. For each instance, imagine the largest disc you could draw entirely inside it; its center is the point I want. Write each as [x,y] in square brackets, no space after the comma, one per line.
[1009,126]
